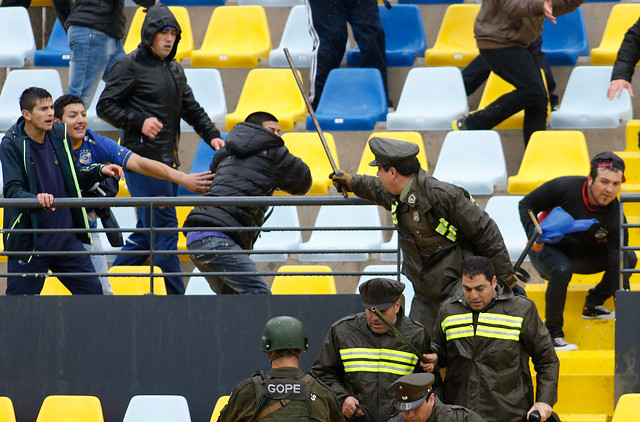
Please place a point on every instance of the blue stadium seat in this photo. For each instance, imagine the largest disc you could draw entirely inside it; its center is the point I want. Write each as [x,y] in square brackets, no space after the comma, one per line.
[57,53]
[566,40]
[186,3]
[429,1]
[201,162]
[352,99]
[403,33]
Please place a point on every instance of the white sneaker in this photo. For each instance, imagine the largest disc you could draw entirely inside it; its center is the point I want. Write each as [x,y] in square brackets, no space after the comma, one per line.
[560,344]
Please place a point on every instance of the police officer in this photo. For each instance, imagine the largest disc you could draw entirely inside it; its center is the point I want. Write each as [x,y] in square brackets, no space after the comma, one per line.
[414,397]
[438,224]
[285,392]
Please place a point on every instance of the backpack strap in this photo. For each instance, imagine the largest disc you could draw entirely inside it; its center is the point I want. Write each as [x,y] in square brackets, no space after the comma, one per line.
[279,404]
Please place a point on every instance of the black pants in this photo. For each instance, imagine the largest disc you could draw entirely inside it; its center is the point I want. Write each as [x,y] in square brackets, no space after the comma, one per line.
[555,266]
[519,67]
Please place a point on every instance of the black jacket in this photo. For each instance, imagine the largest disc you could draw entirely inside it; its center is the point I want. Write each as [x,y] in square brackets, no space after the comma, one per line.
[628,54]
[104,15]
[254,162]
[141,85]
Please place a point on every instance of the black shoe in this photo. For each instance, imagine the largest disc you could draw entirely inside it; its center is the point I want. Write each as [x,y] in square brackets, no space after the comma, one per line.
[459,124]
[560,344]
[597,312]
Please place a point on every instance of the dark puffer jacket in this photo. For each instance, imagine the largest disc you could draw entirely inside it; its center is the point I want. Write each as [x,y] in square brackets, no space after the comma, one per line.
[628,54]
[141,85]
[254,162]
[104,15]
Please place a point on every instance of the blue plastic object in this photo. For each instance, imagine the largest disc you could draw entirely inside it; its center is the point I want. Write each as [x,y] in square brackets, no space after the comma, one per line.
[430,1]
[201,162]
[57,53]
[559,222]
[403,34]
[352,99]
[566,40]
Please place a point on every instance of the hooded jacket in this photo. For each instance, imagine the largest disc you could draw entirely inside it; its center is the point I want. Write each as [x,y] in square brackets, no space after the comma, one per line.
[487,352]
[253,162]
[628,54]
[141,85]
[20,183]
[104,15]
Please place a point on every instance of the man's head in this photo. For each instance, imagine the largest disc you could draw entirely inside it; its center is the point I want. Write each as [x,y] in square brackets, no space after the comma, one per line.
[414,396]
[160,31]
[478,282]
[264,119]
[70,109]
[284,336]
[37,108]
[396,162]
[382,294]
[605,178]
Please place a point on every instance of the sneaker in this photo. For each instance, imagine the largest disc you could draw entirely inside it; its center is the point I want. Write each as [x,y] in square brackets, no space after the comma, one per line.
[560,344]
[597,312]
[459,124]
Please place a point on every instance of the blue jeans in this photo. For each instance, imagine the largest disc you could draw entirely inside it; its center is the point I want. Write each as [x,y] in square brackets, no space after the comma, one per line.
[140,185]
[93,54]
[213,262]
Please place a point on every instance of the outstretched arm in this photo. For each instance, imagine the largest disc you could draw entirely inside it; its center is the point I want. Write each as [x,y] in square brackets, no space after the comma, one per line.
[197,182]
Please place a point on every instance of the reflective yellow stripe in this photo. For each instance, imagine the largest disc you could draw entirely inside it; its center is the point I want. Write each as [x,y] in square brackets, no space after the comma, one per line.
[473,200]
[460,332]
[378,360]
[499,319]
[447,230]
[368,366]
[394,213]
[442,227]
[456,320]
[496,332]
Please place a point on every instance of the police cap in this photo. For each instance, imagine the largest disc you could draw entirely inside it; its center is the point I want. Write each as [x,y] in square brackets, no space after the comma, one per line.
[411,390]
[380,293]
[391,151]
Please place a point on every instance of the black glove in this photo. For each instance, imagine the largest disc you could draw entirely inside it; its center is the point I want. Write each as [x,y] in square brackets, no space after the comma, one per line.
[341,180]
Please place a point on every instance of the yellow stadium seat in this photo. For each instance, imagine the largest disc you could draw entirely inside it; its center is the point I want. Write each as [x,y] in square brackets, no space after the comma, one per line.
[123,190]
[182,213]
[455,44]
[40,3]
[497,87]
[271,90]
[54,287]
[220,404]
[303,284]
[308,147]
[631,134]
[185,46]
[125,285]
[621,18]
[7,412]
[367,155]
[70,409]
[632,171]
[237,36]
[627,409]
[548,155]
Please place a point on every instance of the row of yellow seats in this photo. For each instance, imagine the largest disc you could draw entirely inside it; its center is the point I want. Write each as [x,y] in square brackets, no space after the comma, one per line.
[120,284]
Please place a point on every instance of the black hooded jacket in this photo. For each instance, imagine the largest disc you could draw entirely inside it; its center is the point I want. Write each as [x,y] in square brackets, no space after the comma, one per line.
[141,85]
[253,162]
[104,15]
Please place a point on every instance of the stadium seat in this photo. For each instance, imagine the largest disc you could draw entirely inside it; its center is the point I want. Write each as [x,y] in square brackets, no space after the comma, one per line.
[281,216]
[429,1]
[473,160]
[308,147]
[207,88]
[185,46]
[54,287]
[7,412]
[19,80]
[585,104]
[621,18]
[548,155]
[403,33]
[367,155]
[136,285]
[563,42]
[373,269]
[270,3]
[352,99]
[296,38]
[303,284]
[198,285]
[631,135]
[17,37]
[237,36]
[157,409]
[351,217]
[271,90]
[631,172]
[187,3]
[96,123]
[181,213]
[627,408]
[57,53]
[455,44]
[70,409]
[392,244]
[497,87]
[220,404]
[504,211]
[431,98]
[201,162]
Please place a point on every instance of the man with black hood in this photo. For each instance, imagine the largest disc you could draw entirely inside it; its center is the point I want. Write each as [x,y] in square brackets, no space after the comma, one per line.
[254,162]
[146,96]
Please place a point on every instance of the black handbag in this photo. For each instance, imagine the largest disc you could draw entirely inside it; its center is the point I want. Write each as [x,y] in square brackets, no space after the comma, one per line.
[107,188]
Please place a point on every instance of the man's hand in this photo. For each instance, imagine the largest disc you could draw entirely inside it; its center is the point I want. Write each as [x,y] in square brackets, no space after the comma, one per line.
[616,86]
[46,200]
[429,367]
[341,180]
[151,127]
[112,170]
[349,406]
[548,11]
[216,143]
[197,182]
[543,408]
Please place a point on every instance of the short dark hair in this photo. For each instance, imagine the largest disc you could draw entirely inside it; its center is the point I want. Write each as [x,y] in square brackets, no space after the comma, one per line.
[476,265]
[405,168]
[62,102]
[259,117]
[31,96]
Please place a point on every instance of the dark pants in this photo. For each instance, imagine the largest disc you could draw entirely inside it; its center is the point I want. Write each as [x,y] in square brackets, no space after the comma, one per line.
[477,72]
[519,67]
[328,27]
[556,267]
[70,263]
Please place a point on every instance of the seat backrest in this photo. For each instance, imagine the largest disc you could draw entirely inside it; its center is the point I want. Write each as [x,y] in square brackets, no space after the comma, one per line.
[348,216]
[136,285]
[621,18]
[296,38]
[198,285]
[586,89]
[7,412]
[70,409]
[627,408]
[504,211]
[568,34]
[208,90]
[456,34]
[158,409]
[308,147]
[238,28]
[403,28]
[353,92]
[18,42]
[301,284]
[54,287]
[95,122]
[367,155]
[220,404]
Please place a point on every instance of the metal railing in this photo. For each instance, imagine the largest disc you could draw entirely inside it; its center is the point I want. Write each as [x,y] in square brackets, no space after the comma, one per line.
[626,198]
